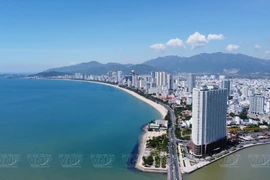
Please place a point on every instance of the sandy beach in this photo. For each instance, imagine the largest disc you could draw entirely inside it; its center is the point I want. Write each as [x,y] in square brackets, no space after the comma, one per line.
[143,152]
[141,149]
[162,110]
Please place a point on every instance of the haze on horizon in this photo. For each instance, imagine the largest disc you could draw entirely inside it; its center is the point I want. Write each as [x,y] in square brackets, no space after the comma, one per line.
[35,36]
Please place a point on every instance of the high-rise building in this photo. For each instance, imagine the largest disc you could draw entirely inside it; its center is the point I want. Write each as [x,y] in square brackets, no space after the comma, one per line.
[250,92]
[256,104]
[133,78]
[267,108]
[128,83]
[222,77]
[153,77]
[244,91]
[128,80]
[226,84]
[110,73]
[164,79]
[161,78]
[119,77]
[170,81]
[191,82]
[158,78]
[142,83]
[209,109]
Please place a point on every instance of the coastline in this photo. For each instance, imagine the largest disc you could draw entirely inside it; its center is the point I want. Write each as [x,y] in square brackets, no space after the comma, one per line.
[142,146]
[162,110]
[225,155]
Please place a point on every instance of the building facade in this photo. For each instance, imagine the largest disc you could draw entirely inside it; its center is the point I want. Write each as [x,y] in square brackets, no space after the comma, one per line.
[209,110]
[170,82]
[226,84]
[191,82]
[256,104]
[119,77]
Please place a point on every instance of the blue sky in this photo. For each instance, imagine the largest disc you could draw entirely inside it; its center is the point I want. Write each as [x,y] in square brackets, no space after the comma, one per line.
[36,35]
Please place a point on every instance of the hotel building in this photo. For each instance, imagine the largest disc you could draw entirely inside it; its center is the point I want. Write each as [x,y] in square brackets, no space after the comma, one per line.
[209,109]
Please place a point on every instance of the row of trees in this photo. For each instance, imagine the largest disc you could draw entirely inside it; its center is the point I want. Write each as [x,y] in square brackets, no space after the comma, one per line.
[149,161]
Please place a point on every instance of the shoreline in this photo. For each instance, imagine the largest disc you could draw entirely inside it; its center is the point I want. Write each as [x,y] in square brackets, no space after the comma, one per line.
[224,156]
[142,146]
[162,110]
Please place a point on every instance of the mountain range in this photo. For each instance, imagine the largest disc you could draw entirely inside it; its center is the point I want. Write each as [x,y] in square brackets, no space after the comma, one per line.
[201,63]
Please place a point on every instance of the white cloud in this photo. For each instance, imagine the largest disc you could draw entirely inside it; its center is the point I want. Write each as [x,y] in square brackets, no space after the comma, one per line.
[232,47]
[211,37]
[196,40]
[257,46]
[158,47]
[175,43]
[267,54]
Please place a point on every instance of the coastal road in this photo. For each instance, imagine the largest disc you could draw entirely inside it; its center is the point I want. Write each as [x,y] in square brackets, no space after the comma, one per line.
[174,169]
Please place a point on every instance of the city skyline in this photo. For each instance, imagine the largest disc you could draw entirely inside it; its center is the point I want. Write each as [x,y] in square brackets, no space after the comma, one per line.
[38,36]
[222,115]
[176,90]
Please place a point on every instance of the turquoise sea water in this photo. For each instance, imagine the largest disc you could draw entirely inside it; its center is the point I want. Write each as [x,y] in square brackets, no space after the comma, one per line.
[64,130]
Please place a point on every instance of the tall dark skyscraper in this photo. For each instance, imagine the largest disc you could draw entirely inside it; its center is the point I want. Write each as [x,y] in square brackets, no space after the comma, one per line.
[209,110]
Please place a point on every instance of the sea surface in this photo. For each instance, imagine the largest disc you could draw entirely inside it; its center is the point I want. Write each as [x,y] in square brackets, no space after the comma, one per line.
[66,130]
[248,164]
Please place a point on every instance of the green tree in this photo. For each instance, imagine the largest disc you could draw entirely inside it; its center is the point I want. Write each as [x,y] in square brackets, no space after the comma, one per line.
[232,114]
[243,114]
[148,161]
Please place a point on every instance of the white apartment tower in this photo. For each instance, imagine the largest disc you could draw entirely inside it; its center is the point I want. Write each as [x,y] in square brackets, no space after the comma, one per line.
[153,77]
[133,78]
[256,104]
[191,82]
[158,78]
[161,78]
[244,91]
[209,109]
[164,79]
[119,77]
[226,84]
